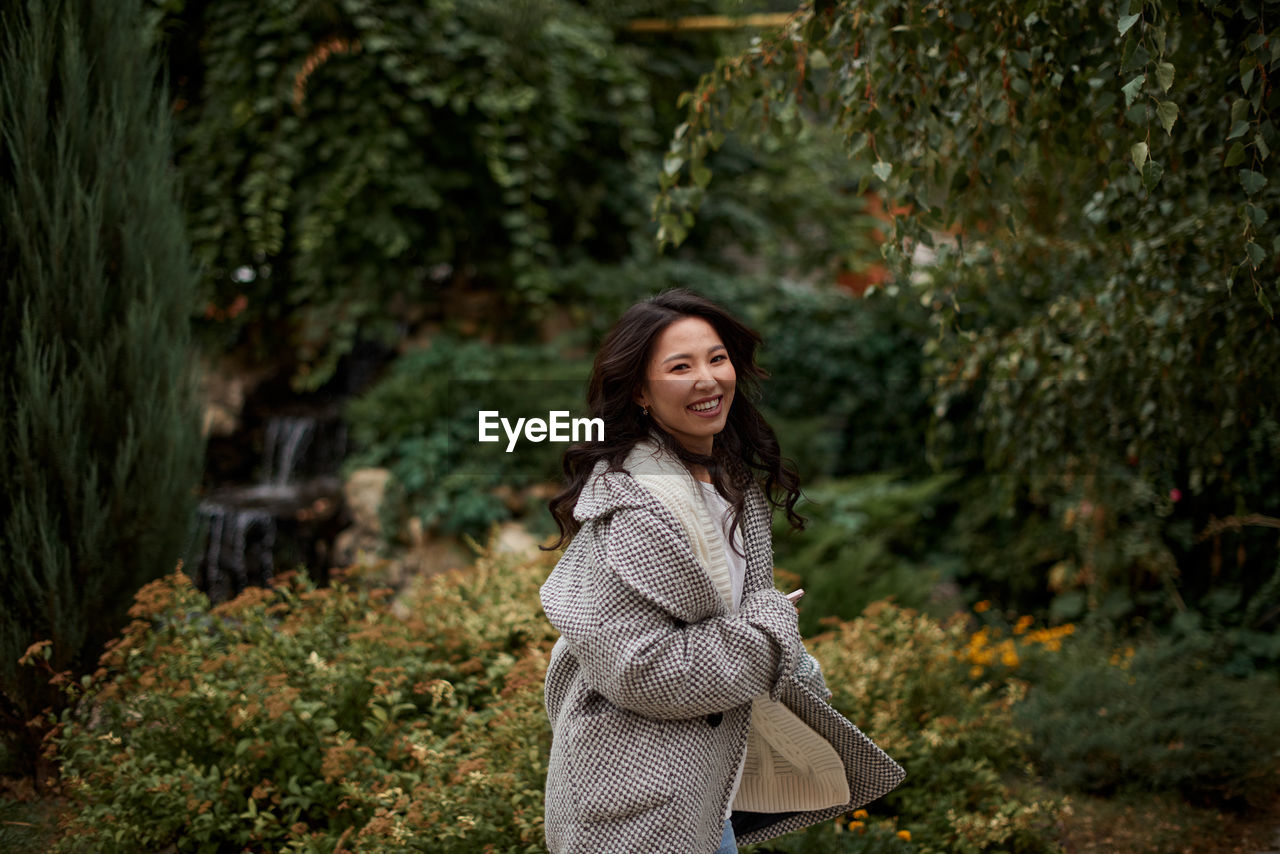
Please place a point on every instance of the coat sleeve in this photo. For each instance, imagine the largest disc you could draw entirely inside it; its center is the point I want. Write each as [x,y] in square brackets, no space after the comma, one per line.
[642,656]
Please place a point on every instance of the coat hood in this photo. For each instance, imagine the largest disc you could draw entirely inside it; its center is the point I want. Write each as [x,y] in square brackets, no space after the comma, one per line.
[685,591]
[607,492]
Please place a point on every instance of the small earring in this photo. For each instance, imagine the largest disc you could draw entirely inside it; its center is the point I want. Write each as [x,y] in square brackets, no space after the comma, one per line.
[644,410]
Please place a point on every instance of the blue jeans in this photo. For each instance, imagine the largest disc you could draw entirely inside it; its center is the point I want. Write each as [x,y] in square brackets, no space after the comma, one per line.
[728,844]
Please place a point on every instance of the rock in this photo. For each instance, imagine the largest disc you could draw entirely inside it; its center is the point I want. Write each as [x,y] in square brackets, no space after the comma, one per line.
[434,555]
[512,538]
[364,492]
[223,388]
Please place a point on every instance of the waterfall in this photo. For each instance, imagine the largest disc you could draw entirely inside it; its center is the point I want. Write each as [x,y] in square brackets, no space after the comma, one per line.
[286,440]
[241,525]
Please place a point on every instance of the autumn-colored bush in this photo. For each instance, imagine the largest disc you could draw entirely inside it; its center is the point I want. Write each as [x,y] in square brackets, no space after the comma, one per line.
[292,718]
[905,679]
[295,718]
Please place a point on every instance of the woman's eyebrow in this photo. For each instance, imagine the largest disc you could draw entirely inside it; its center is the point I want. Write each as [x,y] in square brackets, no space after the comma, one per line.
[710,350]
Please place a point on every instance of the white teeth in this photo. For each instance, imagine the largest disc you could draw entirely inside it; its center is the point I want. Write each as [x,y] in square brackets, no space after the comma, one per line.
[704,407]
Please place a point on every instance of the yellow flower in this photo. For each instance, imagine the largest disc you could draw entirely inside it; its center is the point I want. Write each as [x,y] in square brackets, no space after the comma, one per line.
[858,826]
[860,814]
[904,835]
[984,605]
[1022,625]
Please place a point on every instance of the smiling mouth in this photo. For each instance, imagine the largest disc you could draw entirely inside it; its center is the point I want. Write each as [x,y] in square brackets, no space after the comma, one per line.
[707,407]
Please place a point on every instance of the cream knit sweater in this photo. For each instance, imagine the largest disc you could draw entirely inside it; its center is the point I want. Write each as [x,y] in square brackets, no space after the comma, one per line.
[788,765]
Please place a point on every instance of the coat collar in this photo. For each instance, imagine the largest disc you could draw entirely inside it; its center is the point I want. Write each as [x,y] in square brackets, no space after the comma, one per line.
[655,480]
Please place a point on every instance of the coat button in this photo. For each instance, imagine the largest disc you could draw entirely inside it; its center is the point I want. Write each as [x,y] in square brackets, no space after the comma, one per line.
[713,720]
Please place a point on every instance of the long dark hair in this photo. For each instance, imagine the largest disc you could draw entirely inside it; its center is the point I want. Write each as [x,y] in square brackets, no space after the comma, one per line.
[747,442]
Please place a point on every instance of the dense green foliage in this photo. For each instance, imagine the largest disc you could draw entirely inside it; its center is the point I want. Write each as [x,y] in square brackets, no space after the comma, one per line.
[1160,715]
[353,168]
[421,421]
[289,719]
[349,163]
[865,539]
[845,386]
[100,445]
[1102,307]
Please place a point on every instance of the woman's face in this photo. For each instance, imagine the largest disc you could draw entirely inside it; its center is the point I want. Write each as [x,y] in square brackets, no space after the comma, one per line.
[688,383]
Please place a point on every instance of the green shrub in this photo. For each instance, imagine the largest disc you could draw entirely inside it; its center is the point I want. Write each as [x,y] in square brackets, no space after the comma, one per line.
[100,443]
[420,421]
[1157,715]
[1011,545]
[863,542]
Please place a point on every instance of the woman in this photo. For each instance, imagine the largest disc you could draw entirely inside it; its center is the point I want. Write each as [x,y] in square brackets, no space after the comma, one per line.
[685,713]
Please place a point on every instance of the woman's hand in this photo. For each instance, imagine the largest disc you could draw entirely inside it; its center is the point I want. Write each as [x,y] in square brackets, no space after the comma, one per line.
[809,673]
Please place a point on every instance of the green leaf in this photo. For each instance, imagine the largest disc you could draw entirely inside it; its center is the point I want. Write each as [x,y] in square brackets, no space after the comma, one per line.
[1126,22]
[1256,254]
[1127,53]
[1167,111]
[671,164]
[1164,75]
[1252,181]
[1264,150]
[701,176]
[818,59]
[1239,109]
[1238,129]
[1256,215]
[1132,88]
[1235,156]
[1152,172]
[882,169]
[670,229]
[685,97]
[1247,67]
[1139,154]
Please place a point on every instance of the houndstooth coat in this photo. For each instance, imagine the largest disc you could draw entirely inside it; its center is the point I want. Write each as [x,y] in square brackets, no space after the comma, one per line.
[650,687]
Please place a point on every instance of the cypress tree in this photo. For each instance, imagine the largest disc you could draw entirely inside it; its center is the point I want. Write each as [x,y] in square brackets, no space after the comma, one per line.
[100,445]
